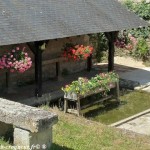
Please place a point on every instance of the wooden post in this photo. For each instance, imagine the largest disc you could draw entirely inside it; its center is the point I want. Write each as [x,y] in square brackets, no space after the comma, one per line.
[58,70]
[89,63]
[7,79]
[117,92]
[111,36]
[78,107]
[111,55]
[35,48]
[65,105]
[38,71]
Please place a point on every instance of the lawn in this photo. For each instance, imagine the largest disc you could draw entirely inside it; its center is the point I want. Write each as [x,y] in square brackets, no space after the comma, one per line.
[76,133]
[132,102]
[4,144]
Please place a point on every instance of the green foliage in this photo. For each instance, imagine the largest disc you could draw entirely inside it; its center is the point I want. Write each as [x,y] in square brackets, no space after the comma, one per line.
[141,32]
[101,45]
[142,49]
[142,9]
[83,85]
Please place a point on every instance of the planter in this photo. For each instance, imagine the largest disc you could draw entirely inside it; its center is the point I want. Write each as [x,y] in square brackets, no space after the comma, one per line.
[77,98]
[74,96]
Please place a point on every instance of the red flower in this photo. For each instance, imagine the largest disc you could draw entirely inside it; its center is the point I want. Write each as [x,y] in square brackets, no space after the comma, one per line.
[77,52]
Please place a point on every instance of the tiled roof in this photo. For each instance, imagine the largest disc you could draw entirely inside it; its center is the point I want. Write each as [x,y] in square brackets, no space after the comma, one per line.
[34,20]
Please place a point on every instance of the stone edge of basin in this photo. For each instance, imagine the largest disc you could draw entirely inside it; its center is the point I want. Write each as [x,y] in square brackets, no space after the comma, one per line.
[116,124]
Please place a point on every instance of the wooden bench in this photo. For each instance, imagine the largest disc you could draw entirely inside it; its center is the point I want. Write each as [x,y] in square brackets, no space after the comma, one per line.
[32,126]
[77,99]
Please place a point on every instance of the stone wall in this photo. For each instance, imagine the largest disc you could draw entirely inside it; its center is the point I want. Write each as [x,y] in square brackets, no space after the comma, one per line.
[53,50]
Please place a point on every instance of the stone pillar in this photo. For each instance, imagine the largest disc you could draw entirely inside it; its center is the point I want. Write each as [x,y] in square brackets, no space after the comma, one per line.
[37,141]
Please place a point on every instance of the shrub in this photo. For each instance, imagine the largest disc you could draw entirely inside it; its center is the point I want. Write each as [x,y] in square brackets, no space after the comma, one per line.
[142,9]
[99,41]
[142,50]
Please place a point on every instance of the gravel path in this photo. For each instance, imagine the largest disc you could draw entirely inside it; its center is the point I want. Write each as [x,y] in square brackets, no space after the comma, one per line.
[128,61]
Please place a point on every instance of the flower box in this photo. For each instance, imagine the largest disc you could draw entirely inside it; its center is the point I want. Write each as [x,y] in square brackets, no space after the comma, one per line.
[74,96]
[83,88]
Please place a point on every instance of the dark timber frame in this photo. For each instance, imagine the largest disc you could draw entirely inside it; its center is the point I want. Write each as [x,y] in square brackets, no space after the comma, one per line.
[35,47]
[111,36]
[37,51]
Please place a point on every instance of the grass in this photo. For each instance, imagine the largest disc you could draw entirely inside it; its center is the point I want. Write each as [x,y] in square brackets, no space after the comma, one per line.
[4,144]
[131,104]
[76,133]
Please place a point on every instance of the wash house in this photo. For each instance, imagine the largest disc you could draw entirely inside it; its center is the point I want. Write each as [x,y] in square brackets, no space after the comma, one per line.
[43,27]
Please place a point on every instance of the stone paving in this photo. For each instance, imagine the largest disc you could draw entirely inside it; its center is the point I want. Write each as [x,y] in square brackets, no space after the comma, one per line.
[139,125]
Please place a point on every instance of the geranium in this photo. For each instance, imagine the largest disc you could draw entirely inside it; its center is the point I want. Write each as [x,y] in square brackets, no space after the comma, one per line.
[16,60]
[77,52]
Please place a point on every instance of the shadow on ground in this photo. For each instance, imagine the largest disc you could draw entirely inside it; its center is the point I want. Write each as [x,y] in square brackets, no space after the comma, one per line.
[58,147]
[26,91]
[102,109]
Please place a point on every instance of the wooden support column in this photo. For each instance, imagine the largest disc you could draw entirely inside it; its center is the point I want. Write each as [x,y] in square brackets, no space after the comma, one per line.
[111,55]
[111,36]
[35,48]
[38,70]
[89,63]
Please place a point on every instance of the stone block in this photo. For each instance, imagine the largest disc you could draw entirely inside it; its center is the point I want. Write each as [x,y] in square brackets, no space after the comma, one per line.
[26,117]
[36,141]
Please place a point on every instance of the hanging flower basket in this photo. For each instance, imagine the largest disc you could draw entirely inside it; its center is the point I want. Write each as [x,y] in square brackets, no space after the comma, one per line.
[17,60]
[76,52]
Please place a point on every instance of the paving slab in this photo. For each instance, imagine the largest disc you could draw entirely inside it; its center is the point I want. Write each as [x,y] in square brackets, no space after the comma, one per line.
[139,125]
[139,75]
[147,89]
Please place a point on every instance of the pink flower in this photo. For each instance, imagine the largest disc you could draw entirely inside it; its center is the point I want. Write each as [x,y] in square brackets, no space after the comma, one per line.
[26,54]
[17,48]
